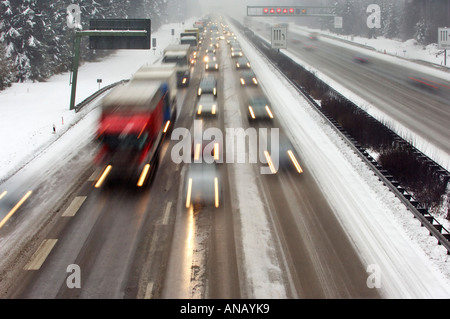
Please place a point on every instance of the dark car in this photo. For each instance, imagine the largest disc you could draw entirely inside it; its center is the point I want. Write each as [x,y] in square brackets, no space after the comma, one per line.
[208,84]
[242,63]
[211,65]
[283,156]
[206,106]
[248,77]
[202,186]
[259,108]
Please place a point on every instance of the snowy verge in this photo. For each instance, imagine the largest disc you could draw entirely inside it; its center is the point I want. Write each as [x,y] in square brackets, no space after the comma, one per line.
[382,229]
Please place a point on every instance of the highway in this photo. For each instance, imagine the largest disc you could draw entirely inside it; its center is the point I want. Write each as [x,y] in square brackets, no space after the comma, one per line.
[417,101]
[145,243]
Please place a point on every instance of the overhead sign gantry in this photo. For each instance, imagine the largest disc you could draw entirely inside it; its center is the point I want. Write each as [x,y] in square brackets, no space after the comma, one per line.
[111,34]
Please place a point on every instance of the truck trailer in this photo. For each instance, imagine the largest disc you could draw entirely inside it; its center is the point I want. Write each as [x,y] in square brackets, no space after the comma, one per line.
[179,54]
[167,74]
[130,131]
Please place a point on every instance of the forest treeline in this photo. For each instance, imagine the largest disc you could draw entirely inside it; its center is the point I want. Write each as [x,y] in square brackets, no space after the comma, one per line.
[36,42]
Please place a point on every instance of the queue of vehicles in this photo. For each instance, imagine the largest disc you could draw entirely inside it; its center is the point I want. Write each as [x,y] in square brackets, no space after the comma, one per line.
[136,116]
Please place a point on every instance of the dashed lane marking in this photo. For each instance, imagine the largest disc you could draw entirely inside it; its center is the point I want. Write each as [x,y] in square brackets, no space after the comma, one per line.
[74,206]
[40,255]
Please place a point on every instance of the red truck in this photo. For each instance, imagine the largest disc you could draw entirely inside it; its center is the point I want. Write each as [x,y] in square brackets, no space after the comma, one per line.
[130,130]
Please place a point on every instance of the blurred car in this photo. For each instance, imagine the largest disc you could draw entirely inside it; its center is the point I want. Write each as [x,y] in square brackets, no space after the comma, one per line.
[283,156]
[235,46]
[248,77]
[208,84]
[314,36]
[361,58]
[211,65]
[259,108]
[310,47]
[237,53]
[231,38]
[202,186]
[208,152]
[210,48]
[206,106]
[210,56]
[215,42]
[242,63]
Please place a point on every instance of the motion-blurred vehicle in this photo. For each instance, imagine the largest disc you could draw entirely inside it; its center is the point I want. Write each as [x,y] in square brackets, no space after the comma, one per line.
[131,128]
[361,58]
[237,53]
[202,186]
[314,36]
[310,47]
[209,56]
[215,42]
[248,77]
[211,65]
[259,108]
[180,55]
[206,106]
[210,48]
[208,84]
[287,159]
[235,46]
[242,63]
[230,39]
[207,152]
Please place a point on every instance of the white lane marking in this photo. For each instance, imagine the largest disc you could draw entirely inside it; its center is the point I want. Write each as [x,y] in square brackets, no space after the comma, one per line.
[167,213]
[149,291]
[95,175]
[74,206]
[40,255]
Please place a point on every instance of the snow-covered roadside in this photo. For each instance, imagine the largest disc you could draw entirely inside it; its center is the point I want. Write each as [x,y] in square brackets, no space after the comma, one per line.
[385,233]
[125,61]
[438,155]
[409,50]
[28,110]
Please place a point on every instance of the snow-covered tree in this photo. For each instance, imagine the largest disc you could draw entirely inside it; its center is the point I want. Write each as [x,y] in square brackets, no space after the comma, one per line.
[421,31]
[7,69]
[391,20]
[22,32]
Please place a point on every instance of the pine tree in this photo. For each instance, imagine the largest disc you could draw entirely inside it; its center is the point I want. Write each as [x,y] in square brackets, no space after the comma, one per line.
[7,70]
[391,20]
[421,31]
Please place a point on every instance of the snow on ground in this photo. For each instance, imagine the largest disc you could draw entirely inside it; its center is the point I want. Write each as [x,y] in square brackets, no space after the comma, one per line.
[410,49]
[380,46]
[28,112]
[413,266]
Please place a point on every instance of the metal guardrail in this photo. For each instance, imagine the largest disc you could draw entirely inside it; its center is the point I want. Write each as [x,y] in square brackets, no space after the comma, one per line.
[426,219]
[92,97]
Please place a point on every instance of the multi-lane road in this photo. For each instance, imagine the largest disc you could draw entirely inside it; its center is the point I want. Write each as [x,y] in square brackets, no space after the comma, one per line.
[412,98]
[127,243]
